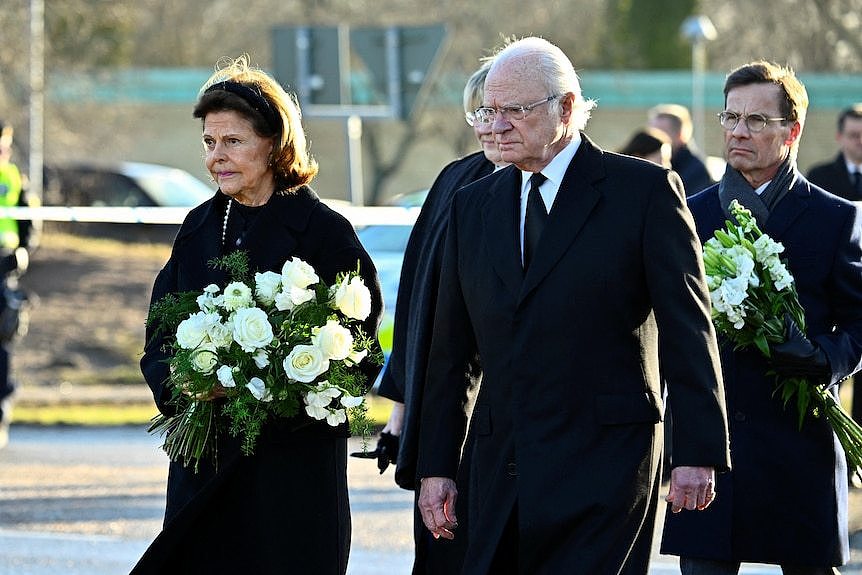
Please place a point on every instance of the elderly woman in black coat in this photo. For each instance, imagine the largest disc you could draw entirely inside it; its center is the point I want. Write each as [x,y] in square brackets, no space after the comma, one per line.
[283,509]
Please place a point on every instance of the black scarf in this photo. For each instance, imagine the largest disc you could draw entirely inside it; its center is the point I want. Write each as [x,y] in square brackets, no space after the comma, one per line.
[733,186]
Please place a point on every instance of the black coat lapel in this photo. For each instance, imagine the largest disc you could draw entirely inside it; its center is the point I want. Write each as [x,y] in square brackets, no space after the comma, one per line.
[501,228]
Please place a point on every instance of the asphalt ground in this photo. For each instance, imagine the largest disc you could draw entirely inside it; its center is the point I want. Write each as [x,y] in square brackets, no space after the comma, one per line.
[88,500]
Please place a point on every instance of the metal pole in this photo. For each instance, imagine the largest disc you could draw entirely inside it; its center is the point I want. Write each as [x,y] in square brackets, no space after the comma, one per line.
[393,69]
[37,95]
[698,65]
[354,160]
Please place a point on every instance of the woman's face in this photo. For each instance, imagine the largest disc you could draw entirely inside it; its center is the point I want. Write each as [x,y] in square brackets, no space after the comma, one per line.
[237,158]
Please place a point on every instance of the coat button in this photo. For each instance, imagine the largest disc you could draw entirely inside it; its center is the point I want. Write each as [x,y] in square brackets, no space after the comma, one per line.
[739,416]
[512,469]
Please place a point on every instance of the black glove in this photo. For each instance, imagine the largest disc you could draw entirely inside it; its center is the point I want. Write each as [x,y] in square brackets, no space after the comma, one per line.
[797,356]
[385,453]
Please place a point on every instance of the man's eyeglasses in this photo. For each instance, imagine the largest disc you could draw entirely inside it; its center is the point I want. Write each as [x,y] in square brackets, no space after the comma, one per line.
[486,115]
[754,122]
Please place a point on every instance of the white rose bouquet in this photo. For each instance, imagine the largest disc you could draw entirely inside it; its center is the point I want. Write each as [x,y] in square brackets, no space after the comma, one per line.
[751,292]
[259,350]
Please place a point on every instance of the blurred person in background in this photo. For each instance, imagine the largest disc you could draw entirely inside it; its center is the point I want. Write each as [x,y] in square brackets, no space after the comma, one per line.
[843,175]
[785,499]
[650,144]
[675,121]
[13,262]
[403,380]
[285,508]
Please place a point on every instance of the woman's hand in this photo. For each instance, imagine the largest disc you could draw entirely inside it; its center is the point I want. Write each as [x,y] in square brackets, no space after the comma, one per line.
[215,393]
[396,419]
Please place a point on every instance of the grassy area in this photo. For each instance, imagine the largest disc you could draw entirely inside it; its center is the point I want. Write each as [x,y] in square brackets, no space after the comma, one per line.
[132,414]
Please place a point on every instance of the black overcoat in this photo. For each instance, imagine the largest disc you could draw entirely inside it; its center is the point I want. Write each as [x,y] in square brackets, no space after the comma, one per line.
[404,376]
[568,419]
[786,499]
[285,508]
[834,178]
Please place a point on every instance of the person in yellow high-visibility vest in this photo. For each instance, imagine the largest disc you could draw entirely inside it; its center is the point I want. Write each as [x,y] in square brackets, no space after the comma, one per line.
[10,193]
[10,188]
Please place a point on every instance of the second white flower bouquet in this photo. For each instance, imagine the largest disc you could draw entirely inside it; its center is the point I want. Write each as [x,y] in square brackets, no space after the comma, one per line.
[262,349]
[752,292]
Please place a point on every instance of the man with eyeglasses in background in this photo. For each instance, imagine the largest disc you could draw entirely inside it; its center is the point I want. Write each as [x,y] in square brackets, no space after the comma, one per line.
[843,175]
[785,500]
[565,273]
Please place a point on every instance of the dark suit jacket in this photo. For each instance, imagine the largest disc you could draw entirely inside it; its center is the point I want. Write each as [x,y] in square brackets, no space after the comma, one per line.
[293,455]
[834,178]
[785,501]
[567,421]
[404,377]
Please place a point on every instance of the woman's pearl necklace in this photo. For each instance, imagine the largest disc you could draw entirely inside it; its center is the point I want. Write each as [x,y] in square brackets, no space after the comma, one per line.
[224,224]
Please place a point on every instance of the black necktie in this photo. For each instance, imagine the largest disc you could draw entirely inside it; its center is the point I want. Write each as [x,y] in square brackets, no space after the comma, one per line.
[534,219]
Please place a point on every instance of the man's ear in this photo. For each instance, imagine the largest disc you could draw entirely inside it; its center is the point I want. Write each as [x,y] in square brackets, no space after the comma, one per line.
[795,130]
[567,104]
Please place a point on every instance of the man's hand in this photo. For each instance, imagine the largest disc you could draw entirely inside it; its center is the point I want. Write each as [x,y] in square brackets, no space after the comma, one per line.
[691,488]
[798,356]
[437,506]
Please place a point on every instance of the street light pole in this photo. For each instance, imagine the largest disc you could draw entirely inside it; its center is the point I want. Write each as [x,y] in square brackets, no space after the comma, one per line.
[37,95]
[698,30]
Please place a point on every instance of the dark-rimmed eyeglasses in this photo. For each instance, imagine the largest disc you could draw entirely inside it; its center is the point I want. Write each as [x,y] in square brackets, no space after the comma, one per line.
[754,122]
[485,115]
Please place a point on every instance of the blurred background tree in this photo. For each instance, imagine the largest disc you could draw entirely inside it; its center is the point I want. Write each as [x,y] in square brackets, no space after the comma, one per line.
[95,35]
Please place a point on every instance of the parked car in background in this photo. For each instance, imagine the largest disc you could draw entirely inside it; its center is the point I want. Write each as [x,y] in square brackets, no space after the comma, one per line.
[386,245]
[121,184]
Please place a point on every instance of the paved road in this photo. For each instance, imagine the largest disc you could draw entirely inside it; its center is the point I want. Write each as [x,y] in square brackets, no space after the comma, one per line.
[85,501]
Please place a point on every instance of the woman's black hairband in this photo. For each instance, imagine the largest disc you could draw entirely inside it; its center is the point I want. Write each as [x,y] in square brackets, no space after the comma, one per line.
[254,98]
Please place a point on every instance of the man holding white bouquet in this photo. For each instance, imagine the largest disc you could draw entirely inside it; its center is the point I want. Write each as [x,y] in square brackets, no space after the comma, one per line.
[785,500]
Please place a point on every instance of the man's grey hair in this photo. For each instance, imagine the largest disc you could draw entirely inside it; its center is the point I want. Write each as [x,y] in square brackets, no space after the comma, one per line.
[557,72]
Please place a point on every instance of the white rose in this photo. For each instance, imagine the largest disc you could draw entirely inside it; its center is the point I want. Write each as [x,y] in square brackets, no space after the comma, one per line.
[192,331]
[267,285]
[258,389]
[304,363]
[334,340]
[236,296]
[297,273]
[251,329]
[225,376]
[353,299]
[204,359]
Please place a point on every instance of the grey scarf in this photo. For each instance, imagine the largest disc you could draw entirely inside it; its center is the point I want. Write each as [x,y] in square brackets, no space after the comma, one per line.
[733,186]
